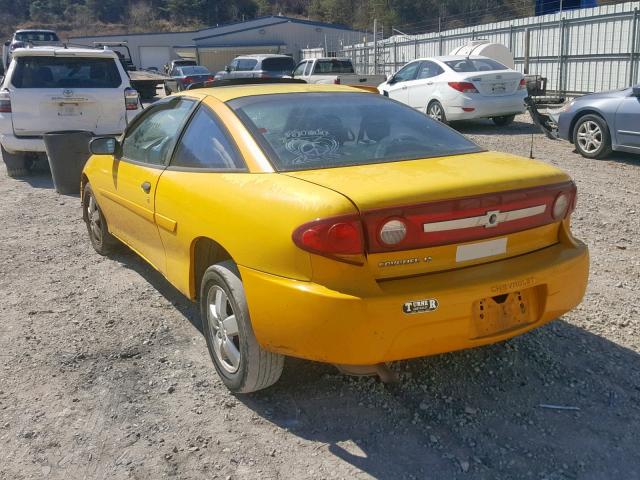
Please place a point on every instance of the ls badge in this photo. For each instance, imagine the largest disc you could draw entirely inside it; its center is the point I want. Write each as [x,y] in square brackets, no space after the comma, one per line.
[420,306]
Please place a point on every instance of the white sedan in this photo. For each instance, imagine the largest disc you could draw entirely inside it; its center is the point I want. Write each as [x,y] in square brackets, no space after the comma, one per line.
[455,87]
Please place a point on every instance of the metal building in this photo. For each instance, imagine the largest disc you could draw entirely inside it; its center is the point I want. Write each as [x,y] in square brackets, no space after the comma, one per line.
[214,47]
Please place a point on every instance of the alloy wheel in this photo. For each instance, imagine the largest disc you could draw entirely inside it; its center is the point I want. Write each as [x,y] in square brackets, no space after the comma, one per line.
[223,329]
[435,111]
[589,136]
[95,223]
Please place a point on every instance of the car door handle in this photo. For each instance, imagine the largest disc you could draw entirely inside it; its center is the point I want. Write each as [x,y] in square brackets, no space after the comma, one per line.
[146,186]
[429,83]
[404,87]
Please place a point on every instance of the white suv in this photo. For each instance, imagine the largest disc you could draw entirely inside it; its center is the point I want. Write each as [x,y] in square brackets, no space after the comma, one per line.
[55,88]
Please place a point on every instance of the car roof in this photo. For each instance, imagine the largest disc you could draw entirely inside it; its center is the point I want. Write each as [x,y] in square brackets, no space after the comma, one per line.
[449,58]
[34,30]
[263,55]
[238,91]
[51,51]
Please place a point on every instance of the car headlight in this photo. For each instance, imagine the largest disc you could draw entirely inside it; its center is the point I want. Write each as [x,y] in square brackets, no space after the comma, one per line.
[567,106]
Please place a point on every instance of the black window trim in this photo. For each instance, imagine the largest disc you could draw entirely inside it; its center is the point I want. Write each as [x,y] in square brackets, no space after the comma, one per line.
[159,105]
[225,132]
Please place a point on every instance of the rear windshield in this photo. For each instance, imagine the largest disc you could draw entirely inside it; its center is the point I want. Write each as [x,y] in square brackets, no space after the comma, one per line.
[305,131]
[194,70]
[278,64]
[66,72]
[333,66]
[475,65]
[36,37]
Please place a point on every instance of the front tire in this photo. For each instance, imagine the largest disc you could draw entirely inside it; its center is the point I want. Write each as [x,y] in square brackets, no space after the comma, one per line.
[436,111]
[591,137]
[102,241]
[242,364]
[18,164]
[503,120]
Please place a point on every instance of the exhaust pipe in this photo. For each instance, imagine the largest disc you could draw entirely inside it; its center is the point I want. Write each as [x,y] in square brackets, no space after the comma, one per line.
[381,370]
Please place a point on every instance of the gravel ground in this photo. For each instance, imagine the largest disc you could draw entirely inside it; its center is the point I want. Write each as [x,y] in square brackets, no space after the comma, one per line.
[105,373]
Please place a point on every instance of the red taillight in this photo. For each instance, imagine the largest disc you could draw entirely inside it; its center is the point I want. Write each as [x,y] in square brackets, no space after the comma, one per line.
[522,85]
[131,98]
[464,87]
[337,81]
[468,109]
[5,102]
[470,218]
[188,80]
[210,78]
[336,237]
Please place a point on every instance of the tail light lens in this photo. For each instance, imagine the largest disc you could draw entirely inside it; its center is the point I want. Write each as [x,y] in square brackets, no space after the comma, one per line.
[210,78]
[467,219]
[5,102]
[464,87]
[131,98]
[522,85]
[340,238]
[336,81]
[188,80]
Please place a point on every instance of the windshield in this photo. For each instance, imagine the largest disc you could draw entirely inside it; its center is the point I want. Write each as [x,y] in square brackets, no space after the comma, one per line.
[475,65]
[305,131]
[66,72]
[333,66]
[36,37]
[194,70]
[278,64]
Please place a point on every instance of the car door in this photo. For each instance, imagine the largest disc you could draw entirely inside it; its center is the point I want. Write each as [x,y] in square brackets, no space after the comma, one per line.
[299,70]
[129,194]
[173,81]
[198,185]
[627,122]
[396,87]
[423,88]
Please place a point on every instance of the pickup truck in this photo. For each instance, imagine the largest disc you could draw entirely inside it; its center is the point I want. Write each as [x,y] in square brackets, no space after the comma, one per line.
[334,70]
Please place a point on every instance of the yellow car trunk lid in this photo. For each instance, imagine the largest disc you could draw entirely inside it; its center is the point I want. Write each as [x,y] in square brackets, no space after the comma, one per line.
[457,211]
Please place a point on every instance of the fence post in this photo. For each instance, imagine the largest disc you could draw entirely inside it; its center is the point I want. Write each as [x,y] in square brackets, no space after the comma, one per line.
[440,44]
[511,39]
[527,44]
[415,49]
[634,33]
[395,55]
[561,57]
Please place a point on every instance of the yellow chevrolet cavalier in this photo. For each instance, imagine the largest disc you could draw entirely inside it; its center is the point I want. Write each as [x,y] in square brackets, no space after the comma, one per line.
[331,224]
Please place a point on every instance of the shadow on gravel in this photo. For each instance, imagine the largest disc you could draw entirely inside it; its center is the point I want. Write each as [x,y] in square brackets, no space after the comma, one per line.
[475,411]
[38,179]
[469,414]
[487,127]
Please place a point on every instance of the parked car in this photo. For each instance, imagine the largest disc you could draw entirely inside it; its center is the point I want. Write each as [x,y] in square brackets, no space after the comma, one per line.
[182,77]
[326,223]
[258,66]
[24,38]
[179,62]
[600,123]
[338,71]
[450,88]
[54,88]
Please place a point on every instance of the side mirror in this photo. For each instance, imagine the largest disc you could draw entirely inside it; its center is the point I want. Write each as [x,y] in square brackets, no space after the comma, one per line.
[227,69]
[103,146]
[635,91]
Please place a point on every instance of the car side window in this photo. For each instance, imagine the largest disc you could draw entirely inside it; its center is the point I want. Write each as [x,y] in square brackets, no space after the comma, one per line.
[233,66]
[150,140]
[246,64]
[300,68]
[408,72]
[307,70]
[175,72]
[429,70]
[205,144]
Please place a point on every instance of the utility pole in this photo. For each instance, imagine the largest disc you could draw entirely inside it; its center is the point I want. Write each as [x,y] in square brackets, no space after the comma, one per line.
[375,46]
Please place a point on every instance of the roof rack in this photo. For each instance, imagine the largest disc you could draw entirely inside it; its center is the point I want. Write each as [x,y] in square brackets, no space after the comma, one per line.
[242,81]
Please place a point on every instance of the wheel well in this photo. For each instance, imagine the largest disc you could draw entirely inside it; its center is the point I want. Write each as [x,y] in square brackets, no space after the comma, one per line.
[578,117]
[204,253]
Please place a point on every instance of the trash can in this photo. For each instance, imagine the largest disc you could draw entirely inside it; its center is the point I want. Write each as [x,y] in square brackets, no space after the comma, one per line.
[67,152]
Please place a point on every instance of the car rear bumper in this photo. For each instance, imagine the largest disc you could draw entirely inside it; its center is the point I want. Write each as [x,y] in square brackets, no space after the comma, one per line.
[485,107]
[13,144]
[307,320]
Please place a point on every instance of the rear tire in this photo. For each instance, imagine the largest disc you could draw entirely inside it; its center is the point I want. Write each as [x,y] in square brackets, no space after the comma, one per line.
[242,364]
[102,241]
[503,120]
[167,90]
[435,110]
[18,164]
[591,137]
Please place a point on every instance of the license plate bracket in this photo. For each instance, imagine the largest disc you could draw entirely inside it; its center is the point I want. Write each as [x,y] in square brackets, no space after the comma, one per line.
[499,314]
[69,110]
